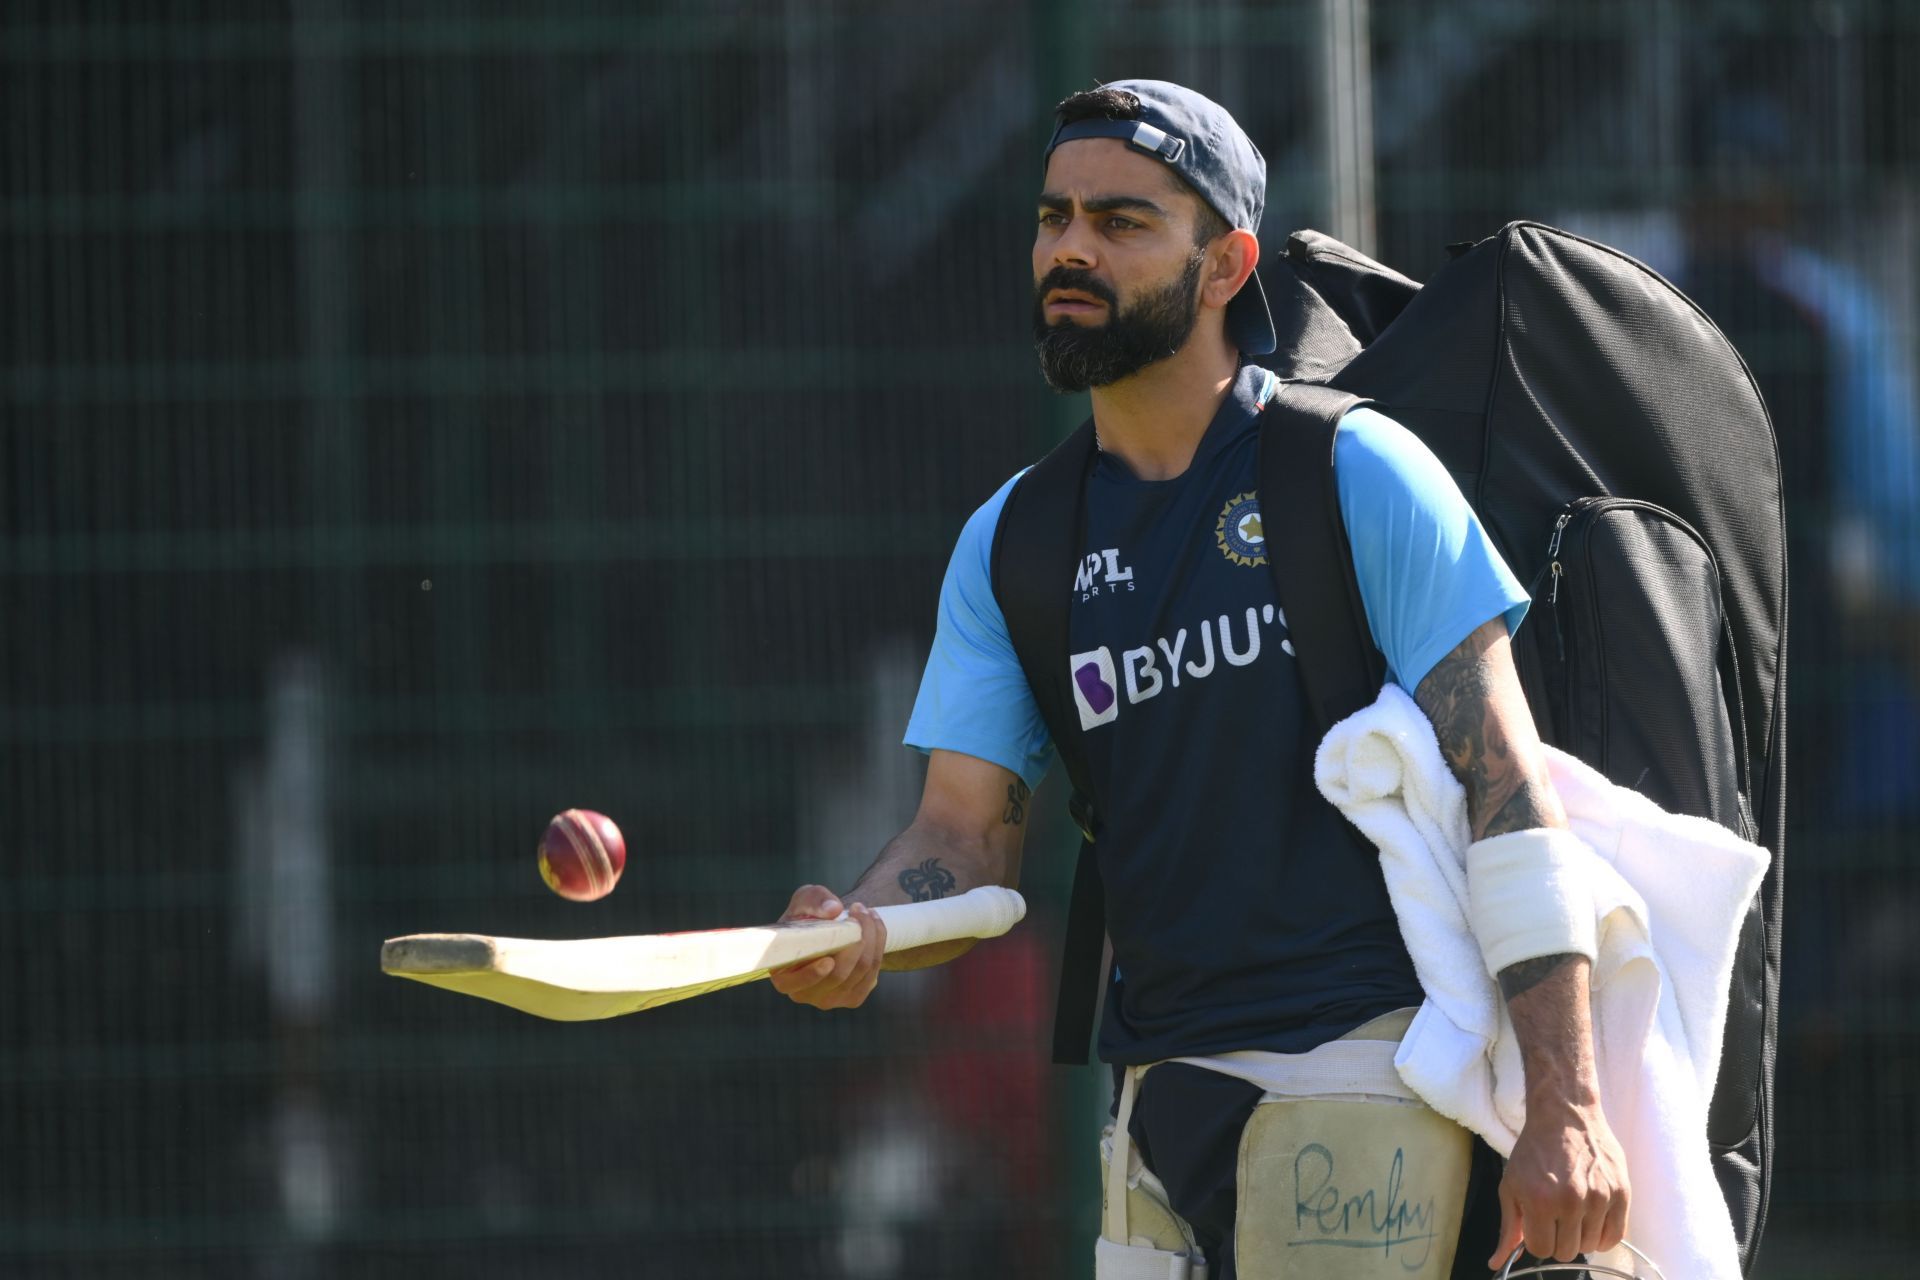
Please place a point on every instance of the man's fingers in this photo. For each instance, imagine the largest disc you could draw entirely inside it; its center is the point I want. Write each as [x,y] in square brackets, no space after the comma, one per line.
[1509,1231]
[1557,1222]
[1584,1226]
[812,902]
[876,955]
[864,974]
[1565,1187]
[844,979]
[1613,1229]
[848,958]
[1539,1219]
[1593,1223]
[1566,1238]
[811,983]
[1542,1231]
[874,934]
[797,978]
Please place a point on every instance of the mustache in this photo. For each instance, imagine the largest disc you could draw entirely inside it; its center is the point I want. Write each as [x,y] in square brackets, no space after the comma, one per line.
[1155,325]
[1078,279]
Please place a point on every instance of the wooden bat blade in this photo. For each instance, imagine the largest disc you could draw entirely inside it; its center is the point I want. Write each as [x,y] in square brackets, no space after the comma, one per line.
[589,978]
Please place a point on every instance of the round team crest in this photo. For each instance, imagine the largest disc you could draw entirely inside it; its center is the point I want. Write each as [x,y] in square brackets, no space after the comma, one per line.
[1239,532]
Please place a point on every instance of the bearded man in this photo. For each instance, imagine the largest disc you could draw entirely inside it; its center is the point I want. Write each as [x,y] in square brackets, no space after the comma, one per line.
[1258,968]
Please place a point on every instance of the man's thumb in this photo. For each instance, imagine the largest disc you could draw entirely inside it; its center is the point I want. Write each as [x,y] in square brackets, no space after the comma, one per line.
[813,902]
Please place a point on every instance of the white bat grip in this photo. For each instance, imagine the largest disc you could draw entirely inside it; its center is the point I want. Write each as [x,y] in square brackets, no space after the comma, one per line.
[986,912]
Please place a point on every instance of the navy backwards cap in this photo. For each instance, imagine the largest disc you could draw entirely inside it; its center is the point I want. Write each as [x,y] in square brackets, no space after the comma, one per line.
[1196,138]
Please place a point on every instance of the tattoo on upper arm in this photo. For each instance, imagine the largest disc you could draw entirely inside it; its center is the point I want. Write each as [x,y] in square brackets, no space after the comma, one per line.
[1018,793]
[927,881]
[1457,695]
[1524,975]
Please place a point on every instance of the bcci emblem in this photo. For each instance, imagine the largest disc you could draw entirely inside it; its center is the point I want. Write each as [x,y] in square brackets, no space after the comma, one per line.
[1239,534]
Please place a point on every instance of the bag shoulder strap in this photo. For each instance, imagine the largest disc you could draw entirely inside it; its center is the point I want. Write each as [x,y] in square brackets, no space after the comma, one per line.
[1036,551]
[1308,552]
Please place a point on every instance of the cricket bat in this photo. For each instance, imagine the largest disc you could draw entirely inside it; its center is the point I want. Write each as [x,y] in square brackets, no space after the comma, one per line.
[587,978]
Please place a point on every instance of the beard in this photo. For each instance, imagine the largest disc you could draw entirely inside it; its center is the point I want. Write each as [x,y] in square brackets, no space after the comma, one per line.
[1074,357]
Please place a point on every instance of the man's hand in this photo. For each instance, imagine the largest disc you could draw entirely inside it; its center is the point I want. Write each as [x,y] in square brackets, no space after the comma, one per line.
[844,979]
[968,832]
[1565,1190]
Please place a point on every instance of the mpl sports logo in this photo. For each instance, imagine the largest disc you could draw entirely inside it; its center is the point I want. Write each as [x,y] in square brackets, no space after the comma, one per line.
[1087,579]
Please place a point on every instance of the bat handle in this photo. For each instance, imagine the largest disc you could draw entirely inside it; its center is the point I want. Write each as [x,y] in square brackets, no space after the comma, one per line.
[986,912]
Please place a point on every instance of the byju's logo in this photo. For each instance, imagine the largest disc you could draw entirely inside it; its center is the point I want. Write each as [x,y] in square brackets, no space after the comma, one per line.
[1094,691]
[1146,672]
[1090,578]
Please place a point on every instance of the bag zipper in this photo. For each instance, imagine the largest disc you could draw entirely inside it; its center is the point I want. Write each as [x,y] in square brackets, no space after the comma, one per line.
[1553,565]
[1585,511]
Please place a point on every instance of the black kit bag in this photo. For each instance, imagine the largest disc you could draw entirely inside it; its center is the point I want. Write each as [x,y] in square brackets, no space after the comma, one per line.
[1620,456]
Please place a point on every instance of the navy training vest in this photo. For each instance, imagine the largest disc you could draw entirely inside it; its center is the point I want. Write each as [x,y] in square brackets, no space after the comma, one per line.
[1242,913]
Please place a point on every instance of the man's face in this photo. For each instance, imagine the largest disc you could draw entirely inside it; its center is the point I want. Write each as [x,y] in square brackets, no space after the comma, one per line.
[1115,270]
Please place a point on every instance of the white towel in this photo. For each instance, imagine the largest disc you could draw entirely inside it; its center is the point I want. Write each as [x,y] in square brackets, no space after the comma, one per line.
[1669,894]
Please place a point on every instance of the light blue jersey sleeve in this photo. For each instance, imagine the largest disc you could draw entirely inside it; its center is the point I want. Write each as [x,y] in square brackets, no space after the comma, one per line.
[974,696]
[1428,572]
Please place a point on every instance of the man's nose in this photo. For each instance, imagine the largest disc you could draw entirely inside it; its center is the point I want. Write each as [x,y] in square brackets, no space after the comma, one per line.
[1074,247]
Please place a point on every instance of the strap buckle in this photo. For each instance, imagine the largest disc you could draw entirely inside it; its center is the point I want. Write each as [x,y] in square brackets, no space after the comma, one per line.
[1155,141]
[1081,809]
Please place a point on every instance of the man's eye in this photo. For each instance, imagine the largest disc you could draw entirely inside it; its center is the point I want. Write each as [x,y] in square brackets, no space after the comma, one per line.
[1052,218]
[1122,224]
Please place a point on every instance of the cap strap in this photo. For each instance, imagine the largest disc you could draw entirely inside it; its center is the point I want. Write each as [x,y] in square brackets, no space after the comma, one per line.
[1136,133]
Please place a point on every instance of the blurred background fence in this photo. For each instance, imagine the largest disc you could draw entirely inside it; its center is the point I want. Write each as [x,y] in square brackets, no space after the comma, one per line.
[421,418]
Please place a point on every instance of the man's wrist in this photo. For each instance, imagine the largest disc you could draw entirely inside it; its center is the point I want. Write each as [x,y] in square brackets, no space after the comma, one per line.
[1562,1094]
[1523,976]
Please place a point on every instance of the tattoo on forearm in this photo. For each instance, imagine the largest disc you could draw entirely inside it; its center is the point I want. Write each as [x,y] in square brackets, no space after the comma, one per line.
[1457,696]
[1018,793]
[927,881]
[1523,976]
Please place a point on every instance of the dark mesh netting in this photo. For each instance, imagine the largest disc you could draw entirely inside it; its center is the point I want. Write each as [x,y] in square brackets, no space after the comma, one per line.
[419,419]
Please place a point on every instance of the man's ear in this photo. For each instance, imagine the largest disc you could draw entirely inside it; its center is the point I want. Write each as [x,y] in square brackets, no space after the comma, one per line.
[1230,260]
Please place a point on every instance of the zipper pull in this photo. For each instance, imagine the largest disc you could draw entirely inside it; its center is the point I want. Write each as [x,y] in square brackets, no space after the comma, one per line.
[1553,596]
[1559,638]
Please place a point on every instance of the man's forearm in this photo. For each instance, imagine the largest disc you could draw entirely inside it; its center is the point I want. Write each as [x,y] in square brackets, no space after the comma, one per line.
[1479,715]
[1480,718]
[919,865]
[1547,999]
[1566,1189]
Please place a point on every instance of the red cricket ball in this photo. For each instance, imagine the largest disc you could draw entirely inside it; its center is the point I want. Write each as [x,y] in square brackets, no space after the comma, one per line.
[582,855]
